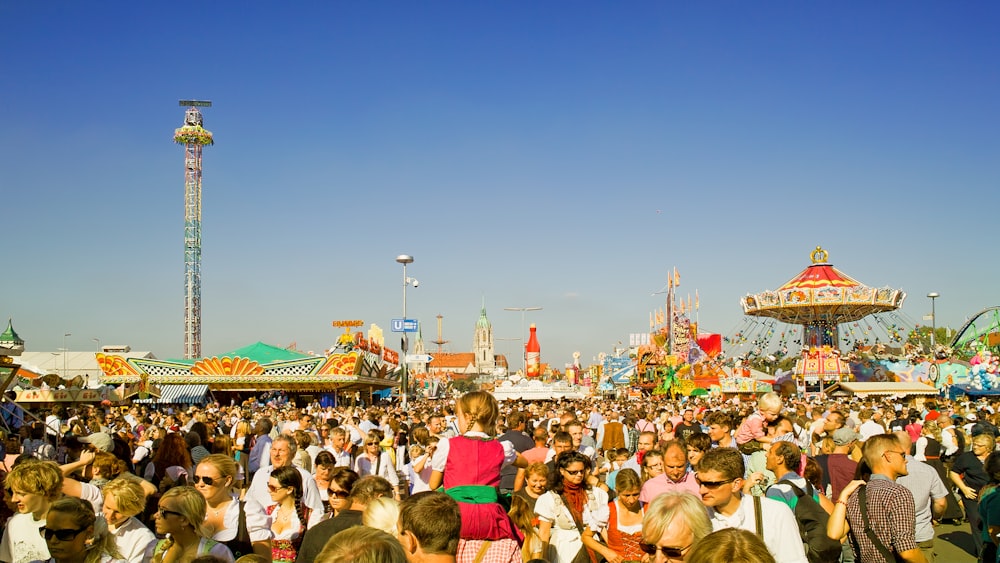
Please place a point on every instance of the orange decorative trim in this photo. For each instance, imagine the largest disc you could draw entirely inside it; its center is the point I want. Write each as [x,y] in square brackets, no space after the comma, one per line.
[341,364]
[115,365]
[226,366]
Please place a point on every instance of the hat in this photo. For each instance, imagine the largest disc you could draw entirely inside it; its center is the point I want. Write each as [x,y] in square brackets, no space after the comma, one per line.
[100,440]
[845,436]
[933,415]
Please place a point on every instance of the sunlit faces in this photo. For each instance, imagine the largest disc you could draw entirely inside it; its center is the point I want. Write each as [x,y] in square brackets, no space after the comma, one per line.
[694,455]
[575,472]
[536,483]
[675,463]
[63,536]
[771,459]
[338,497]
[167,517]
[28,503]
[645,443]
[771,414]
[281,454]
[897,459]
[652,462]
[338,441]
[832,422]
[209,481]
[559,447]
[677,536]
[112,514]
[277,490]
[716,489]
[576,432]
[629,498]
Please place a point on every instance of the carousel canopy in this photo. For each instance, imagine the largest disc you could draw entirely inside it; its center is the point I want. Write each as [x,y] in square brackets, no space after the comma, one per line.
[822,294]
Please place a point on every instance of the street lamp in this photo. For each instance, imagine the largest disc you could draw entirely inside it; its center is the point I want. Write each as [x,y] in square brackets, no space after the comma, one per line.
[933,295]
[405,259]
[524,356]
[98,341]
[65,349]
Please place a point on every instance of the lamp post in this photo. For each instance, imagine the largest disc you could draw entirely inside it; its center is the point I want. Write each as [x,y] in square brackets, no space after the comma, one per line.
[933,296]
[405,259]
[524,357]
[98,341]
[65,349]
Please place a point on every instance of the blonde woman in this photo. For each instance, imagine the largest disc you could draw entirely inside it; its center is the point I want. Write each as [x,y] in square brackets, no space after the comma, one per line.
[180,516]
[215,478]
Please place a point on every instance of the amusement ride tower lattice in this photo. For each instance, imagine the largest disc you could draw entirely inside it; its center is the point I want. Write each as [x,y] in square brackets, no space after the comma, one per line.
[193,136]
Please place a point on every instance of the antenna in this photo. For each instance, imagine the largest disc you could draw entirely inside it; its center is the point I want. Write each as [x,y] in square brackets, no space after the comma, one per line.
[440,339]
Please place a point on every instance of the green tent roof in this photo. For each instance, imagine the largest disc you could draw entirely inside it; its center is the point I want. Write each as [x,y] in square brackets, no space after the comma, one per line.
[259,352]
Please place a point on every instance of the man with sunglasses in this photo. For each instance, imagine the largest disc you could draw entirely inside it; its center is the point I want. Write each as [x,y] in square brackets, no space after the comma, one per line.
[890,510]
[720,479]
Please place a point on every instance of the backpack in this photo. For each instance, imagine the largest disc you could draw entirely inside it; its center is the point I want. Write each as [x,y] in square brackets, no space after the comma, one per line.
[812,521]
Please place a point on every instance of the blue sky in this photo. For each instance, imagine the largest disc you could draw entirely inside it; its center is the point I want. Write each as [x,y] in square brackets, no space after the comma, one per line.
[561,155]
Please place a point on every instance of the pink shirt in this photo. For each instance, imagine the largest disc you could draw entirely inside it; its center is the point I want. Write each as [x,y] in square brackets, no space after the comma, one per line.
[662,484]
[751,429]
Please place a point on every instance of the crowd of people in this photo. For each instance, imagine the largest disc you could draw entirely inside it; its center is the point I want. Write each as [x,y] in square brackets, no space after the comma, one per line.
[474,481]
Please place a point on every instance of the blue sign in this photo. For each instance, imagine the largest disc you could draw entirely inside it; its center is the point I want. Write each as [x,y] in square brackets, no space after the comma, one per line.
[404,325]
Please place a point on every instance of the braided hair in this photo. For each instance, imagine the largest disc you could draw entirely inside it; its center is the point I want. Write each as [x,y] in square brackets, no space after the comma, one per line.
[482,408]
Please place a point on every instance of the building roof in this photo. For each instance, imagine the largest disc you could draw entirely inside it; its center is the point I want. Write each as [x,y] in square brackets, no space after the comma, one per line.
[9,336]
[445,360]
[865,388]
[259,352]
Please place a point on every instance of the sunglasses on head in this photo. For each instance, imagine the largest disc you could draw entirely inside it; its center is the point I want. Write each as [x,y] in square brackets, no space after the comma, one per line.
[671,552]
[61,535]
[204,479]
[338,494]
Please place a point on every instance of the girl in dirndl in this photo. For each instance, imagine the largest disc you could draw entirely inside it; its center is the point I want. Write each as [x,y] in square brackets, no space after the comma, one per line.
[469,467]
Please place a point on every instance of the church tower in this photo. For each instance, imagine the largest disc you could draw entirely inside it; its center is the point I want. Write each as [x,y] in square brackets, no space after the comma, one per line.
[482,344]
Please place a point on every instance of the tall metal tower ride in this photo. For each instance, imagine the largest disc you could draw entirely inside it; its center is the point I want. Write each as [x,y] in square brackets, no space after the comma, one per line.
[193,136]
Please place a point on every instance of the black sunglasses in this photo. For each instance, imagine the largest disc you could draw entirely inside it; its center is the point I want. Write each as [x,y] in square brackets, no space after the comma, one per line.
[338,494]
[165,512]
[712,484]
[203,479]
[671,552]
[576,472]
[61,535]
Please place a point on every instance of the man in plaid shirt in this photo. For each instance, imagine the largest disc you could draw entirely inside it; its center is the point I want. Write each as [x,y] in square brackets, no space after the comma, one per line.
[890,507]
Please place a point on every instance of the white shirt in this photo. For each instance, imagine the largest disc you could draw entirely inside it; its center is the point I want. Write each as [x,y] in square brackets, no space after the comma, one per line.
[258,493]
[132,539]
[781,530]
[870,428]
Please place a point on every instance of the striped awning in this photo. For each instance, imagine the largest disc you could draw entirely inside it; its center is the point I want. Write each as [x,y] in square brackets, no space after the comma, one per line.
[179,394]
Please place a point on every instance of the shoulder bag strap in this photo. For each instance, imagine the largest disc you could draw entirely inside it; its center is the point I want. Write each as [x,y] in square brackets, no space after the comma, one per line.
[242,533]
[863,505]
[758,517]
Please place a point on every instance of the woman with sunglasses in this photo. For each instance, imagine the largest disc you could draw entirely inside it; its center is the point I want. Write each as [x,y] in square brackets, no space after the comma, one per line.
[32,485]
[373,461]
[180,516]
[338,489]
[124,498]
[290,517]
[74,534]
[570,507]
[243,529]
